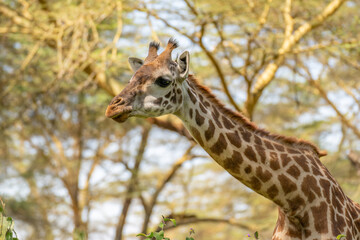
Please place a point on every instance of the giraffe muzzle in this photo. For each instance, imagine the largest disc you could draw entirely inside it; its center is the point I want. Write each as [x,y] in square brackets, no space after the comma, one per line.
[118,113]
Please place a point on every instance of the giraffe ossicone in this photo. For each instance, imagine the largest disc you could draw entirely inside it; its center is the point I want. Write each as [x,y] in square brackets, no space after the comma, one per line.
[285,170]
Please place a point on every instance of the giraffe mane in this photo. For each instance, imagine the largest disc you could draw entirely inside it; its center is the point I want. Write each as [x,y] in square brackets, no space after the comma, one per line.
[238,117]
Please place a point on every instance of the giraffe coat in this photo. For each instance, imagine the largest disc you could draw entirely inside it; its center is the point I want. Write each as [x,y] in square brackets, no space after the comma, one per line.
[285,170]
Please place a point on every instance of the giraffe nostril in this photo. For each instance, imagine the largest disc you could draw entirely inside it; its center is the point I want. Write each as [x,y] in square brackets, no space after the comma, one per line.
[118,101]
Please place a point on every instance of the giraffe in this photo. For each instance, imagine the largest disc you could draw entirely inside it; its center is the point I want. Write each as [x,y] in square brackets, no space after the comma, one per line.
[285,170]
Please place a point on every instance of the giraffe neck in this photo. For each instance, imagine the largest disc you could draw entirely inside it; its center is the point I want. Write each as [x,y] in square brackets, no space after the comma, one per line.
[286,171]
[236,145]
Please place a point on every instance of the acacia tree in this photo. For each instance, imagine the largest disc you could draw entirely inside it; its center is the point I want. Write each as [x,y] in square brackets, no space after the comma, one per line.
[63,61]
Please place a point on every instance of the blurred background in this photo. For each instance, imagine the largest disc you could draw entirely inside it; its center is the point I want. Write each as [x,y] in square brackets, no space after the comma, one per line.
[67,171]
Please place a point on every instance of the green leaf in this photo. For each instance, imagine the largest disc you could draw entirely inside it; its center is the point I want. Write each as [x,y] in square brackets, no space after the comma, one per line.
[341,236]
[141,235]
[189,238]
[161,225]
[9,219]
[1,209]
[256,234]
[173,221]
[166,238]
[8,235]
[159,235]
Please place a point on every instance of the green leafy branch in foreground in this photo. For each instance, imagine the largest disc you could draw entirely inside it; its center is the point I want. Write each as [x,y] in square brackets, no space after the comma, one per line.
[341,236]
[256,236]
[7,231]
[160,235]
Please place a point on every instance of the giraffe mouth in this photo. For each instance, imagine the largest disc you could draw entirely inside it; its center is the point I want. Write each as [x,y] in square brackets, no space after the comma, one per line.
[118,116]
[121,117]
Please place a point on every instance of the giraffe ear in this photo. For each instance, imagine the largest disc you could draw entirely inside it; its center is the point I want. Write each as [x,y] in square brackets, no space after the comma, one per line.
[183,64]
[135,63]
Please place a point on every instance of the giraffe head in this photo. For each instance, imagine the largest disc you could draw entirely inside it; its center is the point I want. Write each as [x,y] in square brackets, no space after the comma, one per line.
[155,88]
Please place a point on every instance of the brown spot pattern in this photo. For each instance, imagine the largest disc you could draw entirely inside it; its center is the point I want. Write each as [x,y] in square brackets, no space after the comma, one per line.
[320,218]
[268,145]
[335,201]
[191,95]
[248,169]
[234,139]
[198,118]
[158,101]
[255,183]
[250,154]
[218,123]
[274,161]
[197,135]
[227,123]
[216,119]
[209,133]
[216,112]
[257,140]
[316,171]
[296,202]
[272,191]
[168,95]
[202,108]
[285,159]
[261,152]
[325,185]
[287,185]
[305,220]
[279,147]
[246,135]
[294,171]
[220,145]
[293,151]
[263,175]
[294,233]
[233,162]
[310,187]
[302,162]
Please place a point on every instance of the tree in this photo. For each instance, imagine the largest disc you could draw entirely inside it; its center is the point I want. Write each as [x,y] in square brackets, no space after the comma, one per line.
[291,66]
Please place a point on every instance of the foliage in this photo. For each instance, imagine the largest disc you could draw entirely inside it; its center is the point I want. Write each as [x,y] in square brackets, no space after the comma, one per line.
[160,234]
[63,165]
[7,231]
[341,236]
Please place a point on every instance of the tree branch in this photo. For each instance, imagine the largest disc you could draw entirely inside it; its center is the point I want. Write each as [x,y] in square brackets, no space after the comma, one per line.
[170,174]
[132,185]
[323,94]
[268,74]
[191,219]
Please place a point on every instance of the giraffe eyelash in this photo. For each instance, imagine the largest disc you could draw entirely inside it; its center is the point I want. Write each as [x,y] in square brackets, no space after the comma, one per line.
[162,82]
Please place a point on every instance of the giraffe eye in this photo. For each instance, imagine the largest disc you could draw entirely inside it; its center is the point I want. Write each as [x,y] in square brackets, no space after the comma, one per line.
[162,82]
